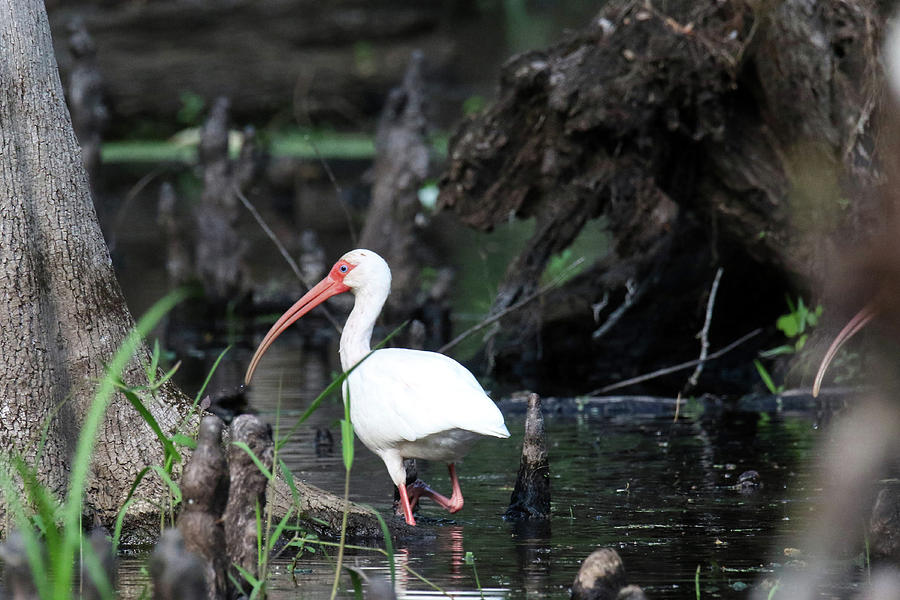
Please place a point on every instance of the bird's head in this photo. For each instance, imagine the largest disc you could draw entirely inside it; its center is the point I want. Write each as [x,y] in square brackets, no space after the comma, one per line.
[360,271]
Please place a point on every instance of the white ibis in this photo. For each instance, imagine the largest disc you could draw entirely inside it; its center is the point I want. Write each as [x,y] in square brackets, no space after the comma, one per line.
[403,403]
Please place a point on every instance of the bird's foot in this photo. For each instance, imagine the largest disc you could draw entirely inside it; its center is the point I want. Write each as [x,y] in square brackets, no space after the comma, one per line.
[419,488]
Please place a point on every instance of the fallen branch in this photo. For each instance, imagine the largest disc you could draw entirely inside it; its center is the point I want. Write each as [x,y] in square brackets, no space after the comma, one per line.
[674,368]
[704,333]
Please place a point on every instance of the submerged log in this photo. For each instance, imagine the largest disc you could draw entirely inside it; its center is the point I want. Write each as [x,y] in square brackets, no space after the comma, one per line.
[530,498]
[703,133]
[204,489]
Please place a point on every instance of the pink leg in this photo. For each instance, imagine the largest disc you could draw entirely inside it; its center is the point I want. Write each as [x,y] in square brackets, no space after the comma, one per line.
[407,509]
[456,498]
[419,488]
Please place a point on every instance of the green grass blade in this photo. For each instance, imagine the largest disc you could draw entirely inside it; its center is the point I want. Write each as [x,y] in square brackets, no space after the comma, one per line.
[184,441]
[170,483]
[259,465]
[93,418]
[356,580]
[96,573]
[347,442]
[289,478]
[388,543]
[279,529]
[169,449]
[30,540]
[764,375]
[203,388]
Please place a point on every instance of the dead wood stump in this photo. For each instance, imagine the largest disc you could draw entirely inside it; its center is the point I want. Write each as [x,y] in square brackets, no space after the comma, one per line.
[17,577]
[530,498]
[204,488]
[176,573]
[602,577]
[247,491]
[702,133]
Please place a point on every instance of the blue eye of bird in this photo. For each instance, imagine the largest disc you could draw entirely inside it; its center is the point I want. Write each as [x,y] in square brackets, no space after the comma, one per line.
[343,268]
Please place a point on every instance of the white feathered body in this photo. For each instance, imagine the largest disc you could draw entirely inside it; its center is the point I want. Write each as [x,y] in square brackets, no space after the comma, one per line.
[416,404]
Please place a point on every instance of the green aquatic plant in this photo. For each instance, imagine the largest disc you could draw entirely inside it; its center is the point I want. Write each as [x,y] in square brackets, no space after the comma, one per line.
[470,560]
[795,326]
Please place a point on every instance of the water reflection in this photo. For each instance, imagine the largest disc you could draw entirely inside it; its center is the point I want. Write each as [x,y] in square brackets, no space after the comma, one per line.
[533,555]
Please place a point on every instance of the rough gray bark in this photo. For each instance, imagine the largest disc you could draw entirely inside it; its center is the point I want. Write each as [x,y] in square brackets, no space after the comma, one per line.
[62,314]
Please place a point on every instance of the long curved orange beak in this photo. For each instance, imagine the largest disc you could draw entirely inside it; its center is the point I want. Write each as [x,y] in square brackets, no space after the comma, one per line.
[322,291]
[858,321]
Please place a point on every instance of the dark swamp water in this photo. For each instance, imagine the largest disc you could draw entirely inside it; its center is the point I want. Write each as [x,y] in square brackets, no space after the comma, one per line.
[661,492]
[624,474]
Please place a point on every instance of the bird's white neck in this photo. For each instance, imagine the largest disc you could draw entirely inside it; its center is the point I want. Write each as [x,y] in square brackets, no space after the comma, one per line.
[357,335]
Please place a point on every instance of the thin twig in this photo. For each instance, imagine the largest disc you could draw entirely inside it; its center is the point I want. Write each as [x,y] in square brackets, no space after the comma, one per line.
[496,317]
[633,291]
[282,250]
[704,333]
[674,368]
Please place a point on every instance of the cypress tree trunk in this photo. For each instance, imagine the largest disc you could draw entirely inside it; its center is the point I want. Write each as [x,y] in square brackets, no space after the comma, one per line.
[63,315]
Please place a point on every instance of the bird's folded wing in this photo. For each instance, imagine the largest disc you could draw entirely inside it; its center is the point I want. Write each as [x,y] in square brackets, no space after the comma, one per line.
[410,394]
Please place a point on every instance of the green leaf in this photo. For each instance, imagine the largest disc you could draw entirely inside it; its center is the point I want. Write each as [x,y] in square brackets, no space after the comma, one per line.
[167,479]
[778,351]
[168,447]
[184,441]
[347,442]
[788,324]
[764,374]
[259,465]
